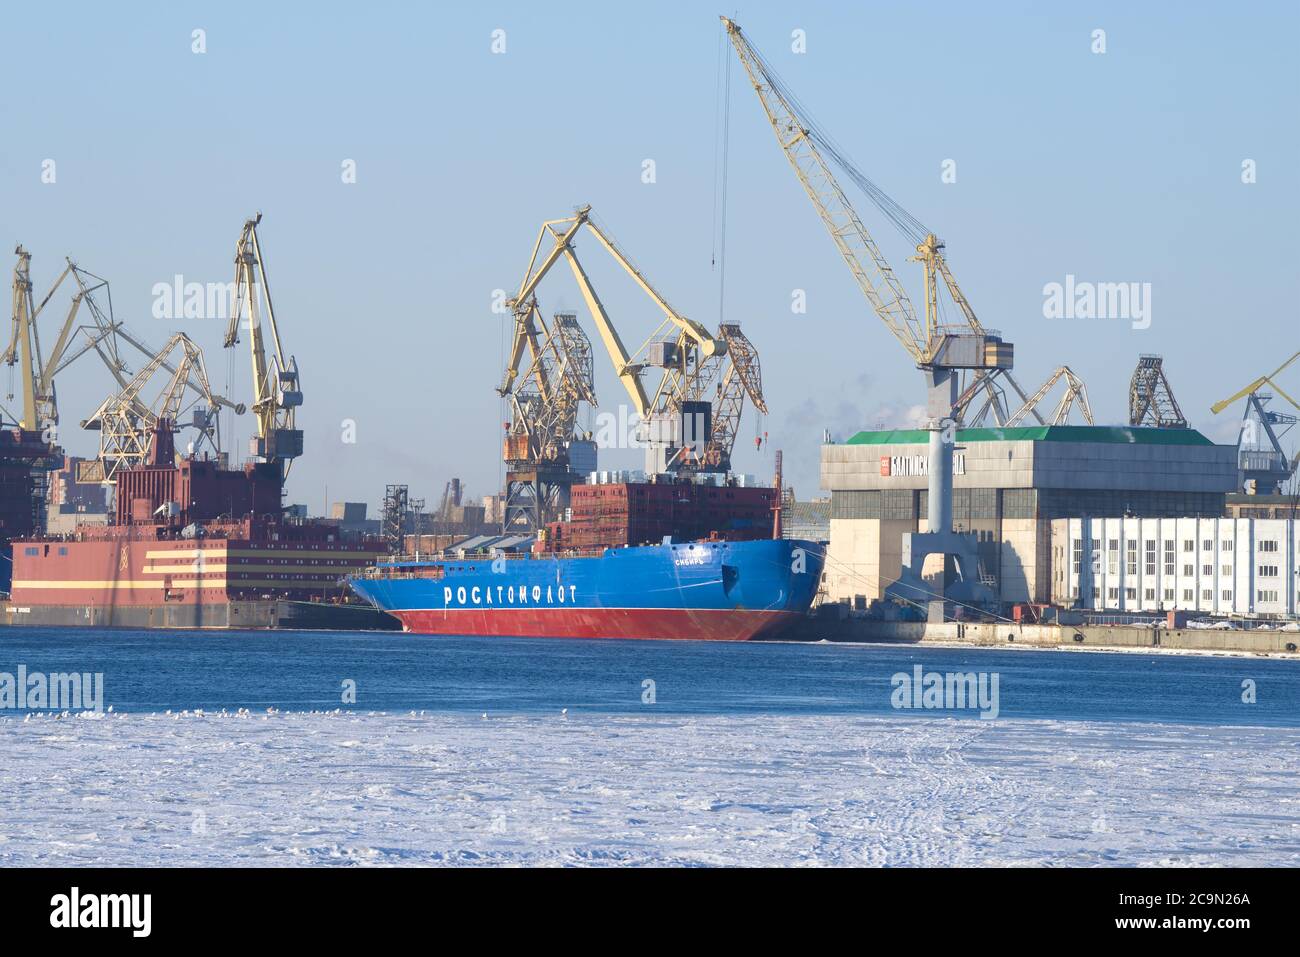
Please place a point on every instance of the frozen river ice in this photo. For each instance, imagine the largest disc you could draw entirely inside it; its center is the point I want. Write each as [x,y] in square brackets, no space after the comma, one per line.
[548,789]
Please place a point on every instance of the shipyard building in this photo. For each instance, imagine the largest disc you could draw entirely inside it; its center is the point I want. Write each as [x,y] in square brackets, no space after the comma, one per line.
[1212,566]
[1009,486]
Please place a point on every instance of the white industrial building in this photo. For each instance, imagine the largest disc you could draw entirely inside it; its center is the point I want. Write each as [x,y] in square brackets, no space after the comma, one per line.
[1213,566]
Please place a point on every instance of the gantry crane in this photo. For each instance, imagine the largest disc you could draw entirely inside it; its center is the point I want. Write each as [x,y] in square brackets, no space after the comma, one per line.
[1075,391]
[1151,401]
[127,423]
[983,401]
[1263,466]
[541,436]
[276,389]
[678,421]
[558,378]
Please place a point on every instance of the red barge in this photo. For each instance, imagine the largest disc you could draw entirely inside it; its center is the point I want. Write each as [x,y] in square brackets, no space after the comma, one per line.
[193,545]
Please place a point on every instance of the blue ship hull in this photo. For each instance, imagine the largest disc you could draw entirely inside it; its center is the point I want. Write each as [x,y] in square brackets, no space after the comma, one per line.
[721,591]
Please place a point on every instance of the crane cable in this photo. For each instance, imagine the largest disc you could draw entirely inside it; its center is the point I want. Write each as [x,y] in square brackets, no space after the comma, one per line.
[907,224]
[721,169]
[717,93]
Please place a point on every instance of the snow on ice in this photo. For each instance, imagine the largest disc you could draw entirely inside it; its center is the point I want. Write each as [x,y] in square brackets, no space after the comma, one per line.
[295,788]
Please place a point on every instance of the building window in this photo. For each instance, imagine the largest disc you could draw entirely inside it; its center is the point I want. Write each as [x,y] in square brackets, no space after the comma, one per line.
[1266,595]
[1078,555]
[1189,545]
[1225,570]
[1151,594]
[1207,545]
[1189,570]
[1267,571]
[1187,594]
[1225,545]
[1227,594]
[1207,571]
[1112,557]
[1131,557]
[1112,594]
[1130,594]
[1207,594]
[1151,556]
[1268,545]
[1170,560]
[1169,594]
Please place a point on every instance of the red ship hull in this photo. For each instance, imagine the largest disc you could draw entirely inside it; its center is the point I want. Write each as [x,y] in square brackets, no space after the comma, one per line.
[691,624]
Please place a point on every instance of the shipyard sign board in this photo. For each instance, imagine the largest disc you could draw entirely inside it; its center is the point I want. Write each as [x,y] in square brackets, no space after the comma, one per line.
[912,466]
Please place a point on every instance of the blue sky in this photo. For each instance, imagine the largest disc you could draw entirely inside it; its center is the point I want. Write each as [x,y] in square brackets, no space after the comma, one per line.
[1120,167]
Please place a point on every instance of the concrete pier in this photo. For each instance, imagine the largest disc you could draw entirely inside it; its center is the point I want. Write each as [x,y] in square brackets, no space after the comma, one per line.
[1005,634]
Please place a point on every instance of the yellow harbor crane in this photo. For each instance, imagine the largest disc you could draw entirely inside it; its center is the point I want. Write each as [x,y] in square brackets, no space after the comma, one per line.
[943,353]
[40,407]
[1263,466]
[101,334]
[1261,382]
[979,354]
[683,427]
[276,390]
[559,377]
[561,233]
[35,443]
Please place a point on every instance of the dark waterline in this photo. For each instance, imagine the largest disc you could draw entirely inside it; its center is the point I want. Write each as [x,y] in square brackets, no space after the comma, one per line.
[156,670]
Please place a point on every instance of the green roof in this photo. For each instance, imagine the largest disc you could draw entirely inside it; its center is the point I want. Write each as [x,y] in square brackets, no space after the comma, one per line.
[1043,433]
